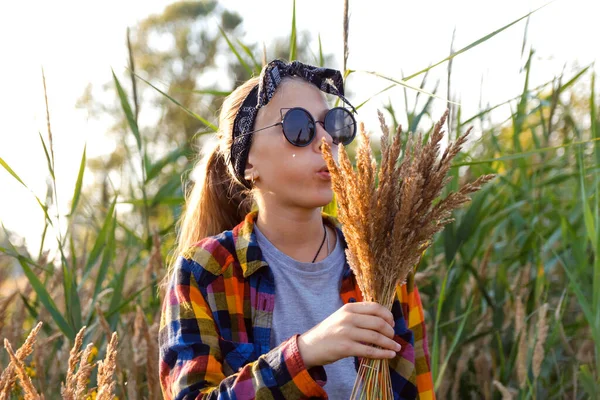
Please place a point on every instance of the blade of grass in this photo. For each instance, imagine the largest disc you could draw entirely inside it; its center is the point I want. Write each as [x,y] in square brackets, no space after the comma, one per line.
[457,336]
[131,238]
[136,108]
[46,300]
[41,291]
[48,160]
[13,173]
[451,109]
[170,158]
[193,114]
[44,232]
[107,258]
[127,301]
[133,125]
[587,212]
[218,93]
[78,184]
[198,134]
[73,253]
[235,52]
[523,154]
[100,242]
[591,227]
[128,112]
[451,56]
[13,252]
[577,289]
[72,303]
[293,38]
[117,295]
[596,279]
[48,118]
[424,111]
[502,359]
[390,109]
[167,190]
[525,36]
[375,95]
[521,113]
[257,66]
[403,83]
[314,56]
[40,203]
[588,382]
[321,58]
[436,331]
[164,200]
[477,42]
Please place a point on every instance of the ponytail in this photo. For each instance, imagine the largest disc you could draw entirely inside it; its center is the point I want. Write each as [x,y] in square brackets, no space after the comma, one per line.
[216,201]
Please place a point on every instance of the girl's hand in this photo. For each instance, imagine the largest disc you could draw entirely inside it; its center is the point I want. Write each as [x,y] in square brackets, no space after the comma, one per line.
[349,332]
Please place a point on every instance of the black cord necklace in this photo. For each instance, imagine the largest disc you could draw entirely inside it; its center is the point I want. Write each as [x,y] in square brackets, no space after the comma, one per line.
[321,246]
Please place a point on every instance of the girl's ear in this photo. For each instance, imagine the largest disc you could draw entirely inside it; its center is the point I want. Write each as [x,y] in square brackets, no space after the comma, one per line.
[250,173]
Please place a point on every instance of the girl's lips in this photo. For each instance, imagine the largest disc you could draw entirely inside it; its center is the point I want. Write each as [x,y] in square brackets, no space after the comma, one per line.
[325,175]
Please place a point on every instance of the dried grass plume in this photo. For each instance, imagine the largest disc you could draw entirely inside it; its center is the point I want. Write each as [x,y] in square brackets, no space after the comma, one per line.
[106,369]
[388,214]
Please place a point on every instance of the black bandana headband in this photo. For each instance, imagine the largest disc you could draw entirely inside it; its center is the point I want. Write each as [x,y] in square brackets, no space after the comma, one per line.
[326,79]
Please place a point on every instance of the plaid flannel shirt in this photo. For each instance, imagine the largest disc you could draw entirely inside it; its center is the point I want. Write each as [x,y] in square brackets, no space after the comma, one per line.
[216,321]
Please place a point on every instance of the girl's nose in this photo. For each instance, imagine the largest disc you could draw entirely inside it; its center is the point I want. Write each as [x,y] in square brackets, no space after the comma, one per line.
[322,133]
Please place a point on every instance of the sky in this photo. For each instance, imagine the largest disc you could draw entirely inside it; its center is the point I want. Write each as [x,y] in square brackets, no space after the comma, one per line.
[78,42]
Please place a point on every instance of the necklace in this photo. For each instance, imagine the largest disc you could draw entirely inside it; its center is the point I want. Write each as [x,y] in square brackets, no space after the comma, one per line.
[322,242]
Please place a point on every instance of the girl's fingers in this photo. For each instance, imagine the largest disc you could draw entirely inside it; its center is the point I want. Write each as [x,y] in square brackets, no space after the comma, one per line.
[375,324]
[376,338]
[366,351]
[371,308]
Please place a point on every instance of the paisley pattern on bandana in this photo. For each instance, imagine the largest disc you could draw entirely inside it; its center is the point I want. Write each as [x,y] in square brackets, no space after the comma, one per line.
[326,79]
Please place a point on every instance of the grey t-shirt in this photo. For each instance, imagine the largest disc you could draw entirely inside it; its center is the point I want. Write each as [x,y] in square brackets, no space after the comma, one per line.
[305,295]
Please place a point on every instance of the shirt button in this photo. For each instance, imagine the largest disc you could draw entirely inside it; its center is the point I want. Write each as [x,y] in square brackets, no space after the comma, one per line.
[352,300]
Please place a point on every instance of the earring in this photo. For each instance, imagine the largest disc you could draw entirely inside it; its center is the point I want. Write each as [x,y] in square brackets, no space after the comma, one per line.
[251,179]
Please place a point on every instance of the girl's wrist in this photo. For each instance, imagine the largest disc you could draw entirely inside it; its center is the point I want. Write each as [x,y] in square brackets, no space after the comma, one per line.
[302,349]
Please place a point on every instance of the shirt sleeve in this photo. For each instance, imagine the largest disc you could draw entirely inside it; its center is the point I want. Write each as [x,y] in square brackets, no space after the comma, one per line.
[414,317]
[191,359]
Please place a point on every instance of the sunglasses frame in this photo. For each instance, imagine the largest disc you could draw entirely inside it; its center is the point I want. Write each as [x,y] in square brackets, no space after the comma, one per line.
[311,119]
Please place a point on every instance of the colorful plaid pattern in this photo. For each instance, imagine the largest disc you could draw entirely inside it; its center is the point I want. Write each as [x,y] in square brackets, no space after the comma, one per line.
[216,322]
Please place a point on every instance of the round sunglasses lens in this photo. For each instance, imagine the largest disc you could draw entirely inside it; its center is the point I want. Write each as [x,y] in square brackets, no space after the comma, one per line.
[298,127]
[341,125]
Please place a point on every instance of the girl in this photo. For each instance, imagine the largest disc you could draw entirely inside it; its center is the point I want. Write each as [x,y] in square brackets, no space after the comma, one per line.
[261,302]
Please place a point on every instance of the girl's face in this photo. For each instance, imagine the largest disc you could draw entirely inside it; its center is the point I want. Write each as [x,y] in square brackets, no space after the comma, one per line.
[289,175]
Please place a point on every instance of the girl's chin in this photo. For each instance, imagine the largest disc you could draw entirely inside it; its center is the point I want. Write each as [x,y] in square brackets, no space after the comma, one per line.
[325,197]
[319,199]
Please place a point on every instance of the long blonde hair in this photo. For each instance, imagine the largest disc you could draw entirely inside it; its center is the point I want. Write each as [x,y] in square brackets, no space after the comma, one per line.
[216,201]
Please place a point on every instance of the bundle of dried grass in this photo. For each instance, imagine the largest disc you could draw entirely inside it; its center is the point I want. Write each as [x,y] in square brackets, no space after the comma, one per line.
[389,219]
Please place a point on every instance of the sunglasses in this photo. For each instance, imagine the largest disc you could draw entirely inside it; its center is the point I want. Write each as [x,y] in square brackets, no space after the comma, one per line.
[300,128]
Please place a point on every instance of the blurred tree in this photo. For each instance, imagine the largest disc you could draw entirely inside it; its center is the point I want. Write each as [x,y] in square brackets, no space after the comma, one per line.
[183,53]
